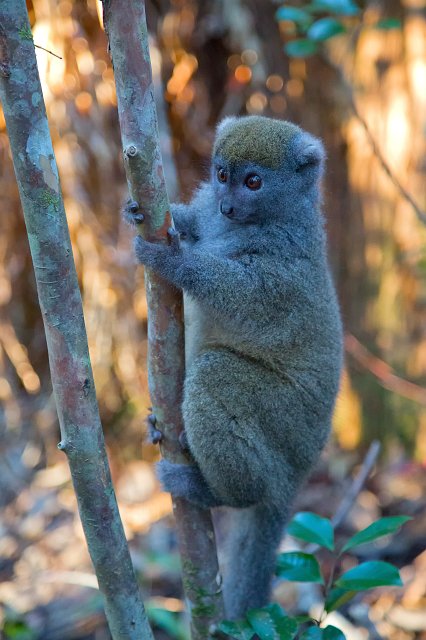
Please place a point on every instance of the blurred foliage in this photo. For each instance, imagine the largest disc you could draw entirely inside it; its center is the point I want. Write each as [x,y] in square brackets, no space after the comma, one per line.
[15,628]
[319,21]
[211,59]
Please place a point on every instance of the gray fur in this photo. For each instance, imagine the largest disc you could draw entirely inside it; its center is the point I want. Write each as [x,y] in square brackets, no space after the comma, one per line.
[264,347]
[186,480]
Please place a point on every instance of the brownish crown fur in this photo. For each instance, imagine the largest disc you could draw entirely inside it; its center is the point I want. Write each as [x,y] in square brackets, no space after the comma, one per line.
[254,139]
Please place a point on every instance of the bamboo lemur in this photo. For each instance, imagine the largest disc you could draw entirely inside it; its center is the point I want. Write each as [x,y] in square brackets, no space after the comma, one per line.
[264,337]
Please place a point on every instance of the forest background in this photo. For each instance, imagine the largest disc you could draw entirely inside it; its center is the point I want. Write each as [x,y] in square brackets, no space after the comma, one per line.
[213,58]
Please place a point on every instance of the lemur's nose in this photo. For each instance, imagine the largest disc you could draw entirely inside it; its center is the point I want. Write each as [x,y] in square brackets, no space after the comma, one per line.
[226,209]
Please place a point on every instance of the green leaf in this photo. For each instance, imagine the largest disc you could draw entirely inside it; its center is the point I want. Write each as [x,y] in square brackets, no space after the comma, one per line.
[338,7]
[378,529]
[164,562]
[329,633]
[313,633]
[240,630]
[337,597]
[302,619]
[17,630]
[168,621]
[333,633]
[301,48]
[298,567]
[325,28]
[388,23]
[312,528]
[272,623]
[299,16]
[369,575]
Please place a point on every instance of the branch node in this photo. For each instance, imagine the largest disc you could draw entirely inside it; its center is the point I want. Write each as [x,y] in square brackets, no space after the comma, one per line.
[131,151]
[62,445]
[86,387]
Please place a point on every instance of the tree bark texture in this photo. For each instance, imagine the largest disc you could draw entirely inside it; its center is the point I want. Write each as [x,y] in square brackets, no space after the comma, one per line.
[125,24]
[61,306]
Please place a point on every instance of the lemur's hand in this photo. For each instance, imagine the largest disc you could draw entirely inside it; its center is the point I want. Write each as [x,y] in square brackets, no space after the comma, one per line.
[161,257]
[151,254]
[132,213]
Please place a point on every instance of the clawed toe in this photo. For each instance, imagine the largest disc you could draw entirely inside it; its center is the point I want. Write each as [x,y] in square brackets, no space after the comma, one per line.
[154,435]
[132,214]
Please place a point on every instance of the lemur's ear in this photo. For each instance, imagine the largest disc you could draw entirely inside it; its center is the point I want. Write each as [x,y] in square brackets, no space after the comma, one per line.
[309,152]
[224,123]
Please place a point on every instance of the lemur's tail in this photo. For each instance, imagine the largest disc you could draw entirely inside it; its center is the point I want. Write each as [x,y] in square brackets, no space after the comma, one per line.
[251,556]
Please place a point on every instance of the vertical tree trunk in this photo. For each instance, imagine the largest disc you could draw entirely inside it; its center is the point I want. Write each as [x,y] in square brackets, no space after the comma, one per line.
[125,24]
[60,302]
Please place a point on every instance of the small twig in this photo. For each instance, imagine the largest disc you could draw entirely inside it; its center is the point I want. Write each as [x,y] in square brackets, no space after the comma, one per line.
[354,490]
[357,485]
[421,215]
[38,46]
[384,372]
[329,585]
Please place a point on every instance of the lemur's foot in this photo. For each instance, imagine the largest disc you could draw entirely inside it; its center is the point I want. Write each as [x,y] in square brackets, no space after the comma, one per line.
[154,435]
[186,481]
[132,214]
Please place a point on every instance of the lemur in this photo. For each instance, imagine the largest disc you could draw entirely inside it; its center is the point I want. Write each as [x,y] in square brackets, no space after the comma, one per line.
[263,337]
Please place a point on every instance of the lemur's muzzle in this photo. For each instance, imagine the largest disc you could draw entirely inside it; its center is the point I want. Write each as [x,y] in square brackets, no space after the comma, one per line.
[226,209]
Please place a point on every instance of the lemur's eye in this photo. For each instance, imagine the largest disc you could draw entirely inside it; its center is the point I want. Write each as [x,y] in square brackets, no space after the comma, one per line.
[253,182]
[222,176]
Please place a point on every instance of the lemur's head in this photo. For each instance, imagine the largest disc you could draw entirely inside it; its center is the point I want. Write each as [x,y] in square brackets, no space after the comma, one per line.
[262,168]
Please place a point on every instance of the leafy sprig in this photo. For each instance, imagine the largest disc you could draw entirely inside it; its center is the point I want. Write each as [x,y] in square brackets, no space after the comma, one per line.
[273,623]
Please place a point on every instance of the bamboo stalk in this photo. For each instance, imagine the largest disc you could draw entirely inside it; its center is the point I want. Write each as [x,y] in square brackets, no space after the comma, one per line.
[125,24]
[61,306]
